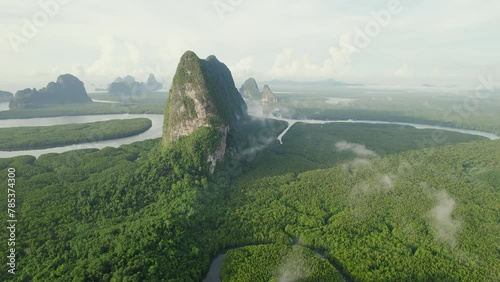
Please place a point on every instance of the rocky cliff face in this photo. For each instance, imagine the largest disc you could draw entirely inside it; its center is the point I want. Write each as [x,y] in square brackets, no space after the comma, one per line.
[268,96]
[250,90]
[203,95]
[220,152]
[68,89]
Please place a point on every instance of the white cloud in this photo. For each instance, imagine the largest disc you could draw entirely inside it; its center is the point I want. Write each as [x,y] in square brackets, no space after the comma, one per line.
[387,181]
[313,35]
[445,227]
[120,57]
[403,71]
[78,70]
[342,55]
[244,69]
[357,149]
[38,71]
[435,72]
[115,59]
[289,65]
[292,268]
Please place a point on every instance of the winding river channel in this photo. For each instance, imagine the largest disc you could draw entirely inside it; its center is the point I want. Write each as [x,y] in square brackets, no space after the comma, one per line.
[156,130]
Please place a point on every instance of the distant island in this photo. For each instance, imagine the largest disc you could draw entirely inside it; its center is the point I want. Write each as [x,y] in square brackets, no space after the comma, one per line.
[6,96]
[67,89]
[250,91]
[128,86]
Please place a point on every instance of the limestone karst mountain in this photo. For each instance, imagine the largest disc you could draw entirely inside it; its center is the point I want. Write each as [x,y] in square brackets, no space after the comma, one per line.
[128,86]
[68,89]
[250,90]
[268,96]
[152,84]
[6,96]
[203,98]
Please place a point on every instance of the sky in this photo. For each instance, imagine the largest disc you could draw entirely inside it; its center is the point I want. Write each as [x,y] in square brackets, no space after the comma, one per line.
[399,42]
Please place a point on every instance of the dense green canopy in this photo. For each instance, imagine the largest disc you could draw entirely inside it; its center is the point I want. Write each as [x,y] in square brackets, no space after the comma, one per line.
[137,214]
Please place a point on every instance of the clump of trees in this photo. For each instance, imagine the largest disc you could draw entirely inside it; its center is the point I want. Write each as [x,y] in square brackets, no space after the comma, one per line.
[276,263]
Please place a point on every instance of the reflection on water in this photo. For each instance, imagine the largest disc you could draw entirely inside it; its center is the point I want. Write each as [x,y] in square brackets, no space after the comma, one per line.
[106,101]
[213,274]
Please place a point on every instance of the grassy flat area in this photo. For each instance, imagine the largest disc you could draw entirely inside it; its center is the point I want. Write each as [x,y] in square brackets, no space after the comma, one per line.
[42,137]
[84,109]
[314,146]
[436,107]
